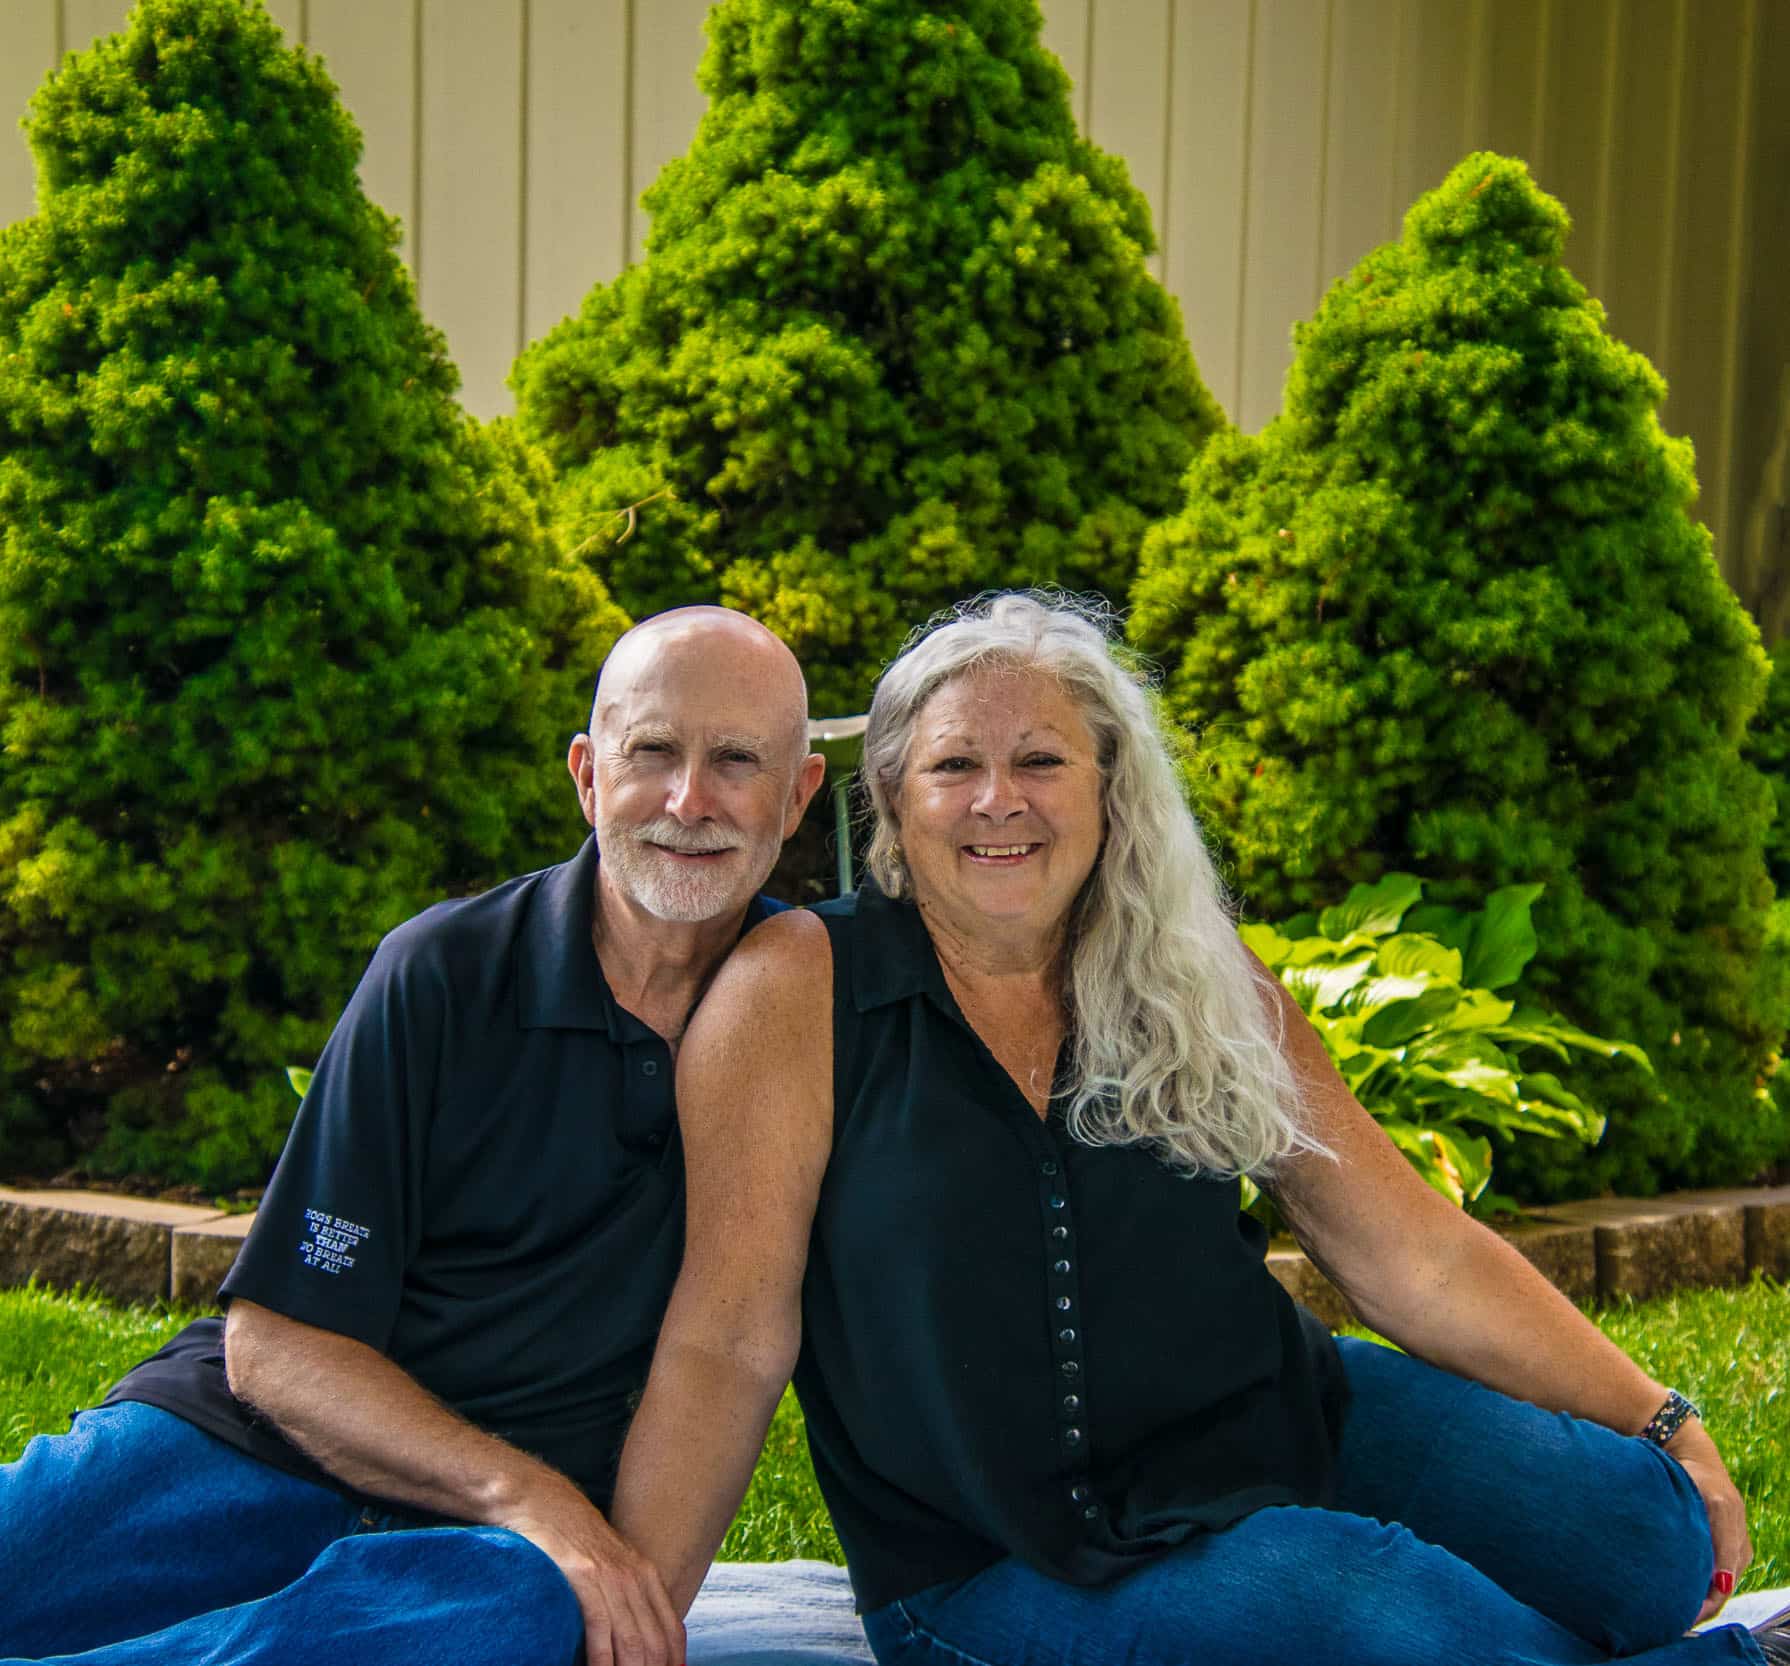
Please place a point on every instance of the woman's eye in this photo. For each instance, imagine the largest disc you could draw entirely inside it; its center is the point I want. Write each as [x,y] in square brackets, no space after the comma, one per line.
[1042,760]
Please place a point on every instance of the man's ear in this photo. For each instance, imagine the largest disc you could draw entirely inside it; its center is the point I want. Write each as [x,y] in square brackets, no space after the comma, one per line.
[581,760]
[809,775]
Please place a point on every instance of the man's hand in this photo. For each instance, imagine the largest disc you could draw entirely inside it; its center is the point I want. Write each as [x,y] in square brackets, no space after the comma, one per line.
[1693,1448]
[628,1618]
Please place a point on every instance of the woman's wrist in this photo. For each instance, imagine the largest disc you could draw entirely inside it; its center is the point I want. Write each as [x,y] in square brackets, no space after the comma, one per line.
[1675,1414]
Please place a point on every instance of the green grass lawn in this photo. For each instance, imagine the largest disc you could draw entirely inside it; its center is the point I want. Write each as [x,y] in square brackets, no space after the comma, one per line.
[1728,1349]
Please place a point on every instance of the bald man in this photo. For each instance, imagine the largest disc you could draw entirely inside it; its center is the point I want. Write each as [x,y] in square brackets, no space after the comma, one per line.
[402,1445]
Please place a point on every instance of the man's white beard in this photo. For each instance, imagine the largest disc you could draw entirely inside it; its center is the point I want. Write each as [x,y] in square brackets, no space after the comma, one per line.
[675,891]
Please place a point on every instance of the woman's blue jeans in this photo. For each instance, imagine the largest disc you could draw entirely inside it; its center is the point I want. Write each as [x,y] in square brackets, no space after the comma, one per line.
[1469,1530]
[138,1538]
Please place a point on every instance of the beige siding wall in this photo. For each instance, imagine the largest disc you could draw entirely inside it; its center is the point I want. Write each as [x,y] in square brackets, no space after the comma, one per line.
[1277,141]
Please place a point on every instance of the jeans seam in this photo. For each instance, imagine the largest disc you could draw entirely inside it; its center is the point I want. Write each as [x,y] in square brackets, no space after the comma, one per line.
[933,1640]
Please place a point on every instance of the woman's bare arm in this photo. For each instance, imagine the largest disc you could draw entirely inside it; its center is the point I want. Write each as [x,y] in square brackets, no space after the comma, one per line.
[755,1103]
[1450,1291]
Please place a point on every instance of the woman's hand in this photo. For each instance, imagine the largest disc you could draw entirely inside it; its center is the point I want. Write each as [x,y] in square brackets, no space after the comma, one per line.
[1693,1448]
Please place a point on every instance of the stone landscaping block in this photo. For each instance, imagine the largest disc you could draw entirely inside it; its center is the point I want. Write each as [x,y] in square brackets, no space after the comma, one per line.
[1766,1212]
[1646,1248]
[201,1255]
[1565,1254]
[1304,1283]
[116,1245]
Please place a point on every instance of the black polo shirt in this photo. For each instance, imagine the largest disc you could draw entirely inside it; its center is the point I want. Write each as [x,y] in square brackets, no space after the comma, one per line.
[484,1182]
[1015,1344]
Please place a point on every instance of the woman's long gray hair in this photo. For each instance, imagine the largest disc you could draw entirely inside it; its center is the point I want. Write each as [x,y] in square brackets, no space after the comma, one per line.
[1170,1040]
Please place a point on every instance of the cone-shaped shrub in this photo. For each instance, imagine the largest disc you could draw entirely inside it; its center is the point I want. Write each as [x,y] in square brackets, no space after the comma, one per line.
[284,654]
[1451,613]
[1768,746]
[894,340]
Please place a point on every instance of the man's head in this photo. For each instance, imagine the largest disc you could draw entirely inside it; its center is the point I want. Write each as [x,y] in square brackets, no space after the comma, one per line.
[696,767]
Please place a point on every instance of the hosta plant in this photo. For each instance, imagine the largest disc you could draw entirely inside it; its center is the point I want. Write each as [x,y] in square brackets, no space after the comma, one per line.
[1405,998]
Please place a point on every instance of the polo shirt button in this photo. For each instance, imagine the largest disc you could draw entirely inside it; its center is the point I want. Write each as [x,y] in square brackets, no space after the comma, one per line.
[1059,1233]
[1056,1201]
[1049,1166]
[1064,1304]
[1073,1436]
[1059,1267]
[1071,1402]
[1091,1512]
[1081,1492]
[1071,1368]
[649,1067]
[1065,1336]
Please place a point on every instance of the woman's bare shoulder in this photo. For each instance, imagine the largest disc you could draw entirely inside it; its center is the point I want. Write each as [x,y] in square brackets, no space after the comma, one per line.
[776,985]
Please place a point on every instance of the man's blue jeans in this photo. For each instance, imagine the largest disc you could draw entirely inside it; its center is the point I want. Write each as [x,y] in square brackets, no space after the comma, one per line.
[1470,1529]
[138,1538]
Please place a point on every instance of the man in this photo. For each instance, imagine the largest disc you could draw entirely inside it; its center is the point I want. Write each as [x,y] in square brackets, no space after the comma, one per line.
[444,1313]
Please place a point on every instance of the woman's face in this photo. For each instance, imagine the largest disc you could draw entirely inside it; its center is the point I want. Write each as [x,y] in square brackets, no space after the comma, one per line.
[1000,803]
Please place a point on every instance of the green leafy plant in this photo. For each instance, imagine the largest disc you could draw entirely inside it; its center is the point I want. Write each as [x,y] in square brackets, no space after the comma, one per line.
[895,340]
[1405,1000]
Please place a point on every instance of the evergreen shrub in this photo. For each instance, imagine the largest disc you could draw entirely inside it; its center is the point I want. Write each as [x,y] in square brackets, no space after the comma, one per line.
[1451,612]
[1768,747]
[893,341]
[285,652]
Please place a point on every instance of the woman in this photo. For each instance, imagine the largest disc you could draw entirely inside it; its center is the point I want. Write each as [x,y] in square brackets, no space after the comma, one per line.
[1058,1407]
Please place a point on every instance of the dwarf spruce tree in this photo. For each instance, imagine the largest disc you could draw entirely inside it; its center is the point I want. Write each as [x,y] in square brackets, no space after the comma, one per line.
[893,341]
[284,652]
[1452,613]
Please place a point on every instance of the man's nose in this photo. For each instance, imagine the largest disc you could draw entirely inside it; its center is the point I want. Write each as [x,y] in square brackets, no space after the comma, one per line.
[691,797]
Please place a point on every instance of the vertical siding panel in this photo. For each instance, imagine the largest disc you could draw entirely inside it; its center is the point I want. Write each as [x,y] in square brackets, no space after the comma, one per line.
[27,54]
[1066,34]
[470,219]
[1437,90]
[668,47]
[1128,94]
[1285,218]
[1575,123]
[1360,210]
[1765,357]
[289,14]
[1203,258]
[370,53]
[83,21]
[1713,74]
[1641,220]
[1513,71]
[577,123]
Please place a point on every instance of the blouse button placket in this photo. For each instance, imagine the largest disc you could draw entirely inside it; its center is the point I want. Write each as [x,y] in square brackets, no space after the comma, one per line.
[1064,1296]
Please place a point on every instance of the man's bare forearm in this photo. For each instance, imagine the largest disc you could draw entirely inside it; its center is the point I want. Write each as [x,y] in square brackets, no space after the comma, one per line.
[373,1426]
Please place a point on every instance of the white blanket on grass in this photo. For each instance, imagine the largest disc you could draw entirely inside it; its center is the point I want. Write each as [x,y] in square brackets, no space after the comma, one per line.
[800,1614]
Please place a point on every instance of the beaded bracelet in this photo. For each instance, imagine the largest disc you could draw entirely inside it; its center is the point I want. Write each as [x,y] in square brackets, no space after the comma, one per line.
[1670,1418]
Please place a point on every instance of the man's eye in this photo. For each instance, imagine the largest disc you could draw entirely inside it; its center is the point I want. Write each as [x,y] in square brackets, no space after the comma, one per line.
[739,757]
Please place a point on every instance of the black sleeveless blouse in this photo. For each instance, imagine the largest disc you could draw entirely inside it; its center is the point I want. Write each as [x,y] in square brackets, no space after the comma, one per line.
[1016,1344]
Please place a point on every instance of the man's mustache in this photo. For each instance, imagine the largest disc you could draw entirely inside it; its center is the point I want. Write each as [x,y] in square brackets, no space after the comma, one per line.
[686,841]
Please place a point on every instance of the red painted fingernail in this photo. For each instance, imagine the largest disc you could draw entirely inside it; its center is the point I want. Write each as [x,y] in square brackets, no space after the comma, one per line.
[1724,1582]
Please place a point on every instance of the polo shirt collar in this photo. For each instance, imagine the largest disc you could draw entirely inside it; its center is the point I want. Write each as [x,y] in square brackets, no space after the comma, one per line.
[559,980]
[904,962]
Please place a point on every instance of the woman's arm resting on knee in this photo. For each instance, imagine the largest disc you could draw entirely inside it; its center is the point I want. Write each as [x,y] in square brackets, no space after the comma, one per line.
[755,1104]
[1424,1274]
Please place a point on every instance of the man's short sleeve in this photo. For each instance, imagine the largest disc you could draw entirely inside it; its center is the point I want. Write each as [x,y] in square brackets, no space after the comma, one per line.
[341,1217]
